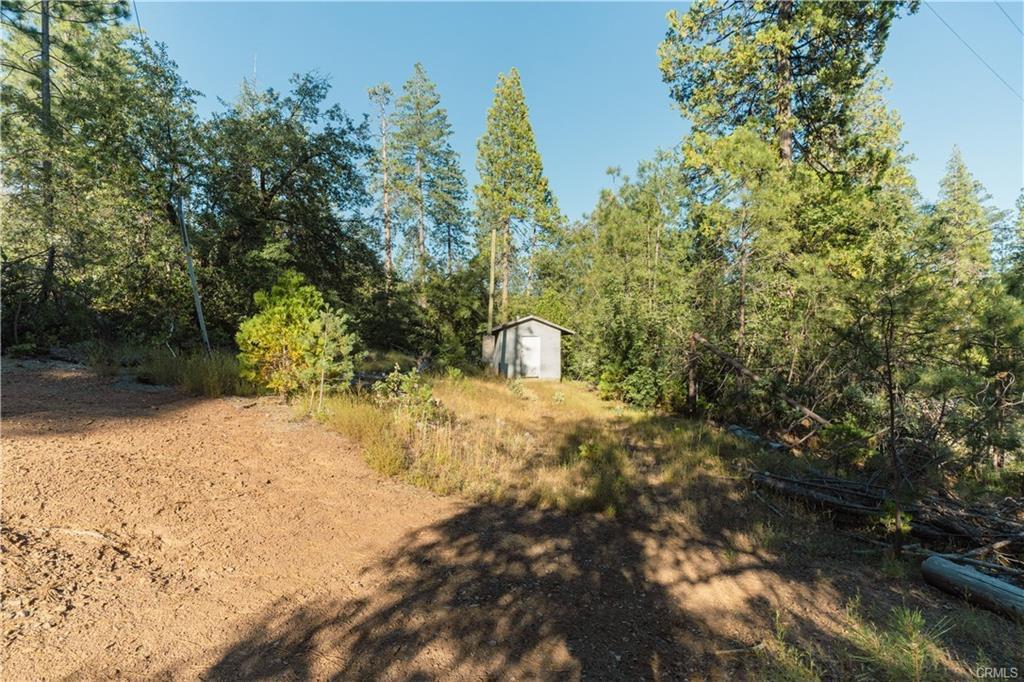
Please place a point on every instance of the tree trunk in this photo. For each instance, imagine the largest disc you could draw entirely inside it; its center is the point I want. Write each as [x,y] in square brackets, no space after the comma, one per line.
[389,263]
[784,123]
[890,392]
[974,586]
[448,237]
[742,303]
[506,268]
[421,227]
[46,122]
[691,377]
[490,288]
[529,271]
[421,237]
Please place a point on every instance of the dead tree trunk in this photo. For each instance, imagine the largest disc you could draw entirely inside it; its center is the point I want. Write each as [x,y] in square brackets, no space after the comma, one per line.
[974,586]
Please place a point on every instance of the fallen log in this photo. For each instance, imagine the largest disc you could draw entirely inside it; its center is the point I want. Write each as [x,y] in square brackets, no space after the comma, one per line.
[974,586]
[792,489]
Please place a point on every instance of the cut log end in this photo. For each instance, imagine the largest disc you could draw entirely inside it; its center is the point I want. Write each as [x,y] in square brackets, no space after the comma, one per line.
[974,586]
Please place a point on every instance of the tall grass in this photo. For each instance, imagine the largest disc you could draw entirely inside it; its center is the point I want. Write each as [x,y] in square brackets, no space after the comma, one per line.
[211,375]
[548,444]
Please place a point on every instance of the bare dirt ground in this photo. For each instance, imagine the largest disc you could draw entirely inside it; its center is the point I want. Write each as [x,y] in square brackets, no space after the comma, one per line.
[151,535]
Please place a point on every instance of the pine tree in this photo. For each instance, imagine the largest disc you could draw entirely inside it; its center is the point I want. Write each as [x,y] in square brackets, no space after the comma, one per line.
[431,182]
[380,96]
[789,68]
[46,44]
[963,225]
[514,201]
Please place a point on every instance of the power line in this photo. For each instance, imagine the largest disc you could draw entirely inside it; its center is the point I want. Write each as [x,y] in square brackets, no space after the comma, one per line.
[1009,18]
[138,21]
[974,52]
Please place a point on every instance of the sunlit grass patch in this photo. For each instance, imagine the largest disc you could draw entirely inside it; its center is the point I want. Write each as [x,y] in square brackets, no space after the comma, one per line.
[212,375]
[550,444]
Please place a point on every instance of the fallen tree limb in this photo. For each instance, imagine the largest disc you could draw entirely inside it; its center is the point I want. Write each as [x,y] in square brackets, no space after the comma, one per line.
[939,520]
[974,586]
[742,369]
[793,489]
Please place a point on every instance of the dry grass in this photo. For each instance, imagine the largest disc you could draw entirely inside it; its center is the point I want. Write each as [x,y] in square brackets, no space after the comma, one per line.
[542,443]
[211,375]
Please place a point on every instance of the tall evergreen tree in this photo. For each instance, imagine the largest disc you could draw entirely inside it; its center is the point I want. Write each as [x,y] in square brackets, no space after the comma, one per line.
[384,168]
[963,224]
[432,184]
[788,68]
[514,202]
[48,47]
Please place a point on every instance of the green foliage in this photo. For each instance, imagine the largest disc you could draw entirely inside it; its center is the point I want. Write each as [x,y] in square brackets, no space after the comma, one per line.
[784,68]
[410,392]
[849,445]
[906,649]
[294,342]
[513,200]
[430,184]
[282,187]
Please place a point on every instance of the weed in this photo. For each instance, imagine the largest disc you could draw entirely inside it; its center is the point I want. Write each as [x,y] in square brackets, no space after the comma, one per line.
[906,648]
[211,375]
[517,389]
[21,350]
[785,662]
[103,359]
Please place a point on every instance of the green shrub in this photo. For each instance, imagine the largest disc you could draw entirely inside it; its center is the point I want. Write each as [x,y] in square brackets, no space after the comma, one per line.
[641,388]
[21,350]
[295,342]
[410,392]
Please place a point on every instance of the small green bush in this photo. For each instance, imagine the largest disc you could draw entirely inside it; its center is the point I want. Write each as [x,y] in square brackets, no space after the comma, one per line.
[21,350]
[295,342]
[410,392]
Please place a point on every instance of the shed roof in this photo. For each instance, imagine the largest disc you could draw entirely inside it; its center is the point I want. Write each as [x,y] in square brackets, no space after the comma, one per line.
[513,323]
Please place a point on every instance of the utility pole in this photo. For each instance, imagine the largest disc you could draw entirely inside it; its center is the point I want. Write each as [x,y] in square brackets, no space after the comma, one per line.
[187,246]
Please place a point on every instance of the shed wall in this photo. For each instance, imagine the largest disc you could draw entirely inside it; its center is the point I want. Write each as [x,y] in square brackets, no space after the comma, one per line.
[505,356]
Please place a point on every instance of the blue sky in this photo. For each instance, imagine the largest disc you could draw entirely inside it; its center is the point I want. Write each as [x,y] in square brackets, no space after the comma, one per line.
[590,73]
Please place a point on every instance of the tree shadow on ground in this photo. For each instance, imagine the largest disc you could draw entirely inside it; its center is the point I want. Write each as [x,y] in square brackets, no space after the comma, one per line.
[48,398]
[684,583]
[507,591]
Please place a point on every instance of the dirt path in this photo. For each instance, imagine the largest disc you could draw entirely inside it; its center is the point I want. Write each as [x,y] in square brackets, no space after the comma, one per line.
[150,535]
[141,528]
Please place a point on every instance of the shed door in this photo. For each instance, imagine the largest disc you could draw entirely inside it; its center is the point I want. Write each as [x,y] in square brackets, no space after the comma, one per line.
[529,356]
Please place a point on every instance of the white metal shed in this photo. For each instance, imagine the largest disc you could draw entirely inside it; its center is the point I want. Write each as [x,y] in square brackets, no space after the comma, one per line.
[528,347]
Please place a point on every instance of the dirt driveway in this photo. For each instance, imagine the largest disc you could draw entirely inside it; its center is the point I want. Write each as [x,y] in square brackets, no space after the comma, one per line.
[151,535]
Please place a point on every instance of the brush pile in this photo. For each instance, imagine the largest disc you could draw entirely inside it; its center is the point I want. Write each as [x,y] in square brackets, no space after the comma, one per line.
[986,536]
